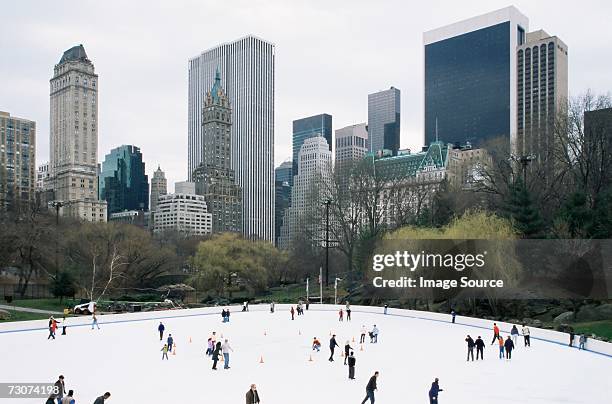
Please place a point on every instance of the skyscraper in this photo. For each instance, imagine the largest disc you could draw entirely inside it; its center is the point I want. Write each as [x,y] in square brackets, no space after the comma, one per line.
[123,182]
[214,177]
[470,77]
[17,162]
[303,218]
[246,67]
[351,143]
[384,120]
[159,186]
[282,195]
[74,136]
[542,95]
[317,125]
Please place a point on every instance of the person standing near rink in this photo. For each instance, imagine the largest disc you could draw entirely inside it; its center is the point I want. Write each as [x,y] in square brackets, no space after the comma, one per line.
[348,311]
[292,313]
[470,347]
[479,348]
[509,345]
[526,334]
[332,346]
[252,397]
[453,315]
[515,333]
[161,329]
[351,365]
[347,349]
[363,334]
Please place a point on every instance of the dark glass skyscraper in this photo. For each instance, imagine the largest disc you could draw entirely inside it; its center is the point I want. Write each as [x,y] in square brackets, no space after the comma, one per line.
[470,78]
[384,120]
[318,125]
[283,176]
[123,183]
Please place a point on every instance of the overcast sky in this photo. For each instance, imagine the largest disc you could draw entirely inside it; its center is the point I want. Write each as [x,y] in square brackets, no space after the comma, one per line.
[329,56]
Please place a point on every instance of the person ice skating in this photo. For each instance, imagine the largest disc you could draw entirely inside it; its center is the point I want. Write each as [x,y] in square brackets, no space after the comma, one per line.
[571,338]
[307,304]
[170,342]
[500,341]
[252,396]
[348,311]
[470,346]
[370,388]
[94,321]
[59,389]
[386,307]
[363,334]
[453,315]
[351,365]
[316,344]
[272,307]
[332,346]
[433,392]
[225,349]
[374,335]
[495,333]
[164,351]
[582,341]
[102,399]
[213,337]
[509,346]
[52,328]
[227,315]
[244,306]
[216,354]
[161,329]
[292,313]
[223,316]
[64,322]
[341,315]
[514,332]
[347,349]
[479,347]
[526,334]
[69,399]
[209,347]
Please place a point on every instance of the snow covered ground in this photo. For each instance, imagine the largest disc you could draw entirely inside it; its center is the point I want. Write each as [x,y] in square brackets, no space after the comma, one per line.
[124,357]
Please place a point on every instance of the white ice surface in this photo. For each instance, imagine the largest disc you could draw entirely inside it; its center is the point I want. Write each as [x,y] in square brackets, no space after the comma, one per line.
[125,359]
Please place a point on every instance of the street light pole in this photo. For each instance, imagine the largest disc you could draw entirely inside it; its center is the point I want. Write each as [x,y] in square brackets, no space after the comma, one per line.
[327,203]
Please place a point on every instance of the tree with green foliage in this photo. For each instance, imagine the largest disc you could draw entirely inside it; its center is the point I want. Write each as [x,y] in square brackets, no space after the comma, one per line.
[64,285]
[523,211]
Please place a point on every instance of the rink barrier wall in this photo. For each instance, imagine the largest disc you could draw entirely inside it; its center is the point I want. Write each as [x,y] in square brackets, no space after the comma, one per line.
[537,334]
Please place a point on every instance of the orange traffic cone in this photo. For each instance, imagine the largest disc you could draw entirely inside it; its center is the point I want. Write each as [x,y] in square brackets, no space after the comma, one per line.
[261,359]
[190,340]
[174,351]
[361,347]
[353,339]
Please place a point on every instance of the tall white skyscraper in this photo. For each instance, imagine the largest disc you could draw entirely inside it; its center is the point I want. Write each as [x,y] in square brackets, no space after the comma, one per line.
[74,136]
[308,191]
[246,68]
[159,187]
[351,143]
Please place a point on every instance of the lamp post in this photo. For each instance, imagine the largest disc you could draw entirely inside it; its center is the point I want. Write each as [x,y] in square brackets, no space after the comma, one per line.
[57,205]
[524,161]
[336,290]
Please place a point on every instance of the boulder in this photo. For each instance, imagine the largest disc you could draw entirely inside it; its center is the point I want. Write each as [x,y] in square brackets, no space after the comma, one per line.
[4,315]
[566,317]
[595,313]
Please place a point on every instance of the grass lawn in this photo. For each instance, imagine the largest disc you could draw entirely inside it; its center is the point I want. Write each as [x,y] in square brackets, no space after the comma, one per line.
[600,328]
[52,304]
[23,316]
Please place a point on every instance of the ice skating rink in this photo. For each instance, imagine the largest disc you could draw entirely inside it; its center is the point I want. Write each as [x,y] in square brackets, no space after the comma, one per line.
[124,357]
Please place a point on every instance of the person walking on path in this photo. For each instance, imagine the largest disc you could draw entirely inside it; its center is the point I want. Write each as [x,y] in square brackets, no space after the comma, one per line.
[216,354]
[225,349]
[526,334]
[500,340]
[102,399]
[453,315]
[60,389]
[363,334]
[495,333]
[509,346]
[161,329]
[332,346]
[347,349]
[292,313]
[433,392]
[351,365]
[170,342]
[94,321]
[470,346]
[582,342]
[370,388]
[165,352]
[252,396]
[514,332]
[479,348]
[340,315]
[69,399]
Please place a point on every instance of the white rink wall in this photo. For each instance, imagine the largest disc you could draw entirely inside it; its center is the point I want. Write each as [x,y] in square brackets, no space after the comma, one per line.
[595,346]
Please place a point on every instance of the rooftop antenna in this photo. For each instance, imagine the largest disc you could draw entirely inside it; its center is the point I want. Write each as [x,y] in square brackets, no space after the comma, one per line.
[436,129]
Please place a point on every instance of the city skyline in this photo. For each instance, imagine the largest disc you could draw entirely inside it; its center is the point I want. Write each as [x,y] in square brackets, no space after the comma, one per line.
[144,93]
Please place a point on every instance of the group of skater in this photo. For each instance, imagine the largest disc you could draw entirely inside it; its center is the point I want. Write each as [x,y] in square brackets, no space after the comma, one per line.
[505,346]
[53,324]
[62,396]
